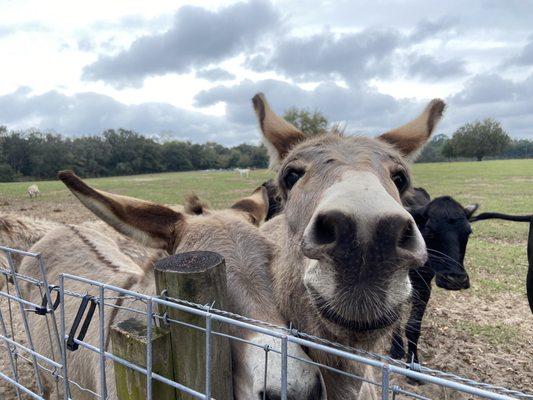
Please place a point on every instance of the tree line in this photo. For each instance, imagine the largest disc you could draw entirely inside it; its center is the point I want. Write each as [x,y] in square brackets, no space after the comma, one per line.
[39,155]
[476,140]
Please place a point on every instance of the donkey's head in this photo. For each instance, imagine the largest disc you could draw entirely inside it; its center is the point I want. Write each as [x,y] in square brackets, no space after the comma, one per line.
[233,234]
[344,215]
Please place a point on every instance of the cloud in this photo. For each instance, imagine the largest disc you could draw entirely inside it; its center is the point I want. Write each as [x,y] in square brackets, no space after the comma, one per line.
[428,67]
[215,74]
[197,38]
[362,108]
[486,88]
[91,113]
[490,95]
[370,112]
[30,26]
[525,58]
[430,29]
[349,56]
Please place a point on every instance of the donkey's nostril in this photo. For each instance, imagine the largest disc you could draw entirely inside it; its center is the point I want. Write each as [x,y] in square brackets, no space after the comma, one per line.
[407,239]
[324,229]
[332,227]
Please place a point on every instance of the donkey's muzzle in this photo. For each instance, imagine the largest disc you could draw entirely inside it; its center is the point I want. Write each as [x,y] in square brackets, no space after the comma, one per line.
[351,242]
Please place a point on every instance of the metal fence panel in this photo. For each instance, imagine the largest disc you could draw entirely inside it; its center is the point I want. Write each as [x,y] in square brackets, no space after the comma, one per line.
[21,346]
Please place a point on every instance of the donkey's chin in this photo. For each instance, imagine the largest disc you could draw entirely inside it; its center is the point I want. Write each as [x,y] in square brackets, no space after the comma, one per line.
[354,323]
[360,311]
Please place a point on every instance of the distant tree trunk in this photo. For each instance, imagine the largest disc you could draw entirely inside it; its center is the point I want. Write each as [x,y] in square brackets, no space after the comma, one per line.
[479,157]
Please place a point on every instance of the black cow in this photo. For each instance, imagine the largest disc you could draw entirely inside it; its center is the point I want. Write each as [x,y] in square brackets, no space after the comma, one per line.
[518,218]
[445,226]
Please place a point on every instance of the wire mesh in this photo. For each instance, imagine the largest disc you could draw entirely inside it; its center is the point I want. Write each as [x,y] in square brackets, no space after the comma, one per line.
[57,372]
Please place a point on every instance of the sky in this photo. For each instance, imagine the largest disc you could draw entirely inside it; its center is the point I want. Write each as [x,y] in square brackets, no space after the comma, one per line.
[188,70]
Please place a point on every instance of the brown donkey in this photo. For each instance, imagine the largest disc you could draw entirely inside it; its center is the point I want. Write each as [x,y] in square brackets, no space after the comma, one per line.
[345,243]
[84,250]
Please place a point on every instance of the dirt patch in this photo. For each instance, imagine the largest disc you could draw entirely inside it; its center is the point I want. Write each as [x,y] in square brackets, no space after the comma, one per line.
[68,210]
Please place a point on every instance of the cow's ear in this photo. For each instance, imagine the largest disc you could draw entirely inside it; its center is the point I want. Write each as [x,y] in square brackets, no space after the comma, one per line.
[470,210]
[410,139]
[419,214]
[279,135]
[256,205]
[149,223]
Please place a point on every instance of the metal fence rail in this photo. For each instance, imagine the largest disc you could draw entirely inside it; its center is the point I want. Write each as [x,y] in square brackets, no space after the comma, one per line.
[54,367]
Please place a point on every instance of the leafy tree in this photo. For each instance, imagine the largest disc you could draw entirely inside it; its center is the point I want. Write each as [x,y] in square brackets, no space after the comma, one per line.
[478,139]
[520,148]
[433,151]
[176,156]
[311,123]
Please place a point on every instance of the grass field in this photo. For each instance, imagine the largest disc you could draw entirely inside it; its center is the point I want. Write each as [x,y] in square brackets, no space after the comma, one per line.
[485,333]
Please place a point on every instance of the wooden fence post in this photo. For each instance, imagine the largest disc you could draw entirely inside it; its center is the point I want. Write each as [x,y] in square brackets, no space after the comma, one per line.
[128,339]
[199,277]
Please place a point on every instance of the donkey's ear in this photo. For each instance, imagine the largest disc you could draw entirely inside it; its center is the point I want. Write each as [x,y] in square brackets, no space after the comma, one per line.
[149,223]
[470,210]
[410,138]
[255,205]
[279,135]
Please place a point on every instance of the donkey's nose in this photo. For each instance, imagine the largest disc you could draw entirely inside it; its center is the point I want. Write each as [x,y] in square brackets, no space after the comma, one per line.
[346,238]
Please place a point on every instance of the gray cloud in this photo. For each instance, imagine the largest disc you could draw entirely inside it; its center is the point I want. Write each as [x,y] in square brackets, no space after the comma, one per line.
[215,74]
[489,95]
[91,113]
[367,111]
[197,38]
[525,58]
[429,29]
[363,109]
[428,67]
[486,88]
[352,56]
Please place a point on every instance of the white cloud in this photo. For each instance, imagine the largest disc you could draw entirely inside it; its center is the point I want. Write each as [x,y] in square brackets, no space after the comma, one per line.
[352,61]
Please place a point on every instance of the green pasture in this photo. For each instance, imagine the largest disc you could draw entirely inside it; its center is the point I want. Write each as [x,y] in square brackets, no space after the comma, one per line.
[495,256]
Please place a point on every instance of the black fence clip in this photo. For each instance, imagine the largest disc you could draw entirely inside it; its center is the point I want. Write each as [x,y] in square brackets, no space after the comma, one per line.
[43,310]
[71,345]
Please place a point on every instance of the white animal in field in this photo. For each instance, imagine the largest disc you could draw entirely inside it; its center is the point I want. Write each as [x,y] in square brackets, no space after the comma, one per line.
[33,191]
[243,172]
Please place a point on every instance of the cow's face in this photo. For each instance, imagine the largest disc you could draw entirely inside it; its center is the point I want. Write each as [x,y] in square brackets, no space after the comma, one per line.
[445,226]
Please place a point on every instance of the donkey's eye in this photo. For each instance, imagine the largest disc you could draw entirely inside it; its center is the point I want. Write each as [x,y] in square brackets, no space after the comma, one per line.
[291,177]
[401,180]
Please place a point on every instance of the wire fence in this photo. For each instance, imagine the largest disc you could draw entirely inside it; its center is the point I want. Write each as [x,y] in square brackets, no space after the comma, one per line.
[65,341]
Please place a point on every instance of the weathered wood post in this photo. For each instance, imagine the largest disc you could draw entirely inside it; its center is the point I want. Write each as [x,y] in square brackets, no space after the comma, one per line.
[128,339]
[199,277]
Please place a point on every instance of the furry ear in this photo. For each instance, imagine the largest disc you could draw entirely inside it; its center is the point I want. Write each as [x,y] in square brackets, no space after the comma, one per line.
[470,210]
[279,135]
[410,138]
[149,223]
[194,206]
[255,205]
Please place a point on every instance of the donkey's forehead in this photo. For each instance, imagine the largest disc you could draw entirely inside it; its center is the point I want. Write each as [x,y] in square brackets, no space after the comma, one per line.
[345,149]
